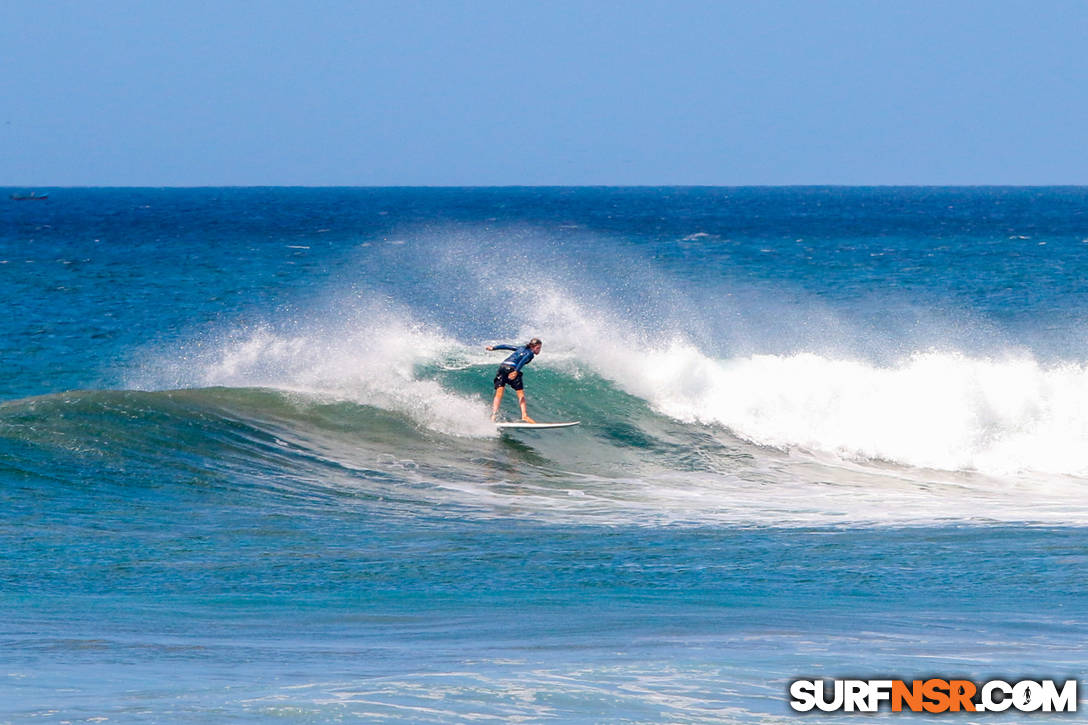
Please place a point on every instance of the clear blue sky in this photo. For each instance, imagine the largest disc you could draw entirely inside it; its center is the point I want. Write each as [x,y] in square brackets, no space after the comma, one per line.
[375,92]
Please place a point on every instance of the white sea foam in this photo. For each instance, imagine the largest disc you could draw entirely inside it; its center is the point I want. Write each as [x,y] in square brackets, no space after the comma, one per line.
[367,357]
[931,409]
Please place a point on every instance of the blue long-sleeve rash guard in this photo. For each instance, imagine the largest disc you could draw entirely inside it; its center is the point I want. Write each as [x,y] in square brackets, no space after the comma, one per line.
[521,357]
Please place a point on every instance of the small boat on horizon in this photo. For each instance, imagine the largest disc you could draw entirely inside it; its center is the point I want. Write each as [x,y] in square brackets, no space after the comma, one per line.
[32,196]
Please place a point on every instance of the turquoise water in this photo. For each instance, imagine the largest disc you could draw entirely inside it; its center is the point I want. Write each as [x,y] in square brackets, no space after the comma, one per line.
[248,473]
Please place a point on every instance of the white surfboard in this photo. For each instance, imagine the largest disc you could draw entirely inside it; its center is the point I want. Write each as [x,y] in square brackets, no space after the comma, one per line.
[536,425]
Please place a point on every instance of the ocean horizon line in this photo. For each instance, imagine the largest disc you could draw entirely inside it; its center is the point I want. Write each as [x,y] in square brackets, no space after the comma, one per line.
[9,186]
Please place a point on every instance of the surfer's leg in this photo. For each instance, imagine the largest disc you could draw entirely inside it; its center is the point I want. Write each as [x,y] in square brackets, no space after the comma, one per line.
[495,404]
[524,410]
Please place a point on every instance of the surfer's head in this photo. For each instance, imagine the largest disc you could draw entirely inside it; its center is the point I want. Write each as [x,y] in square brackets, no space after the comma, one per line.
[535,345]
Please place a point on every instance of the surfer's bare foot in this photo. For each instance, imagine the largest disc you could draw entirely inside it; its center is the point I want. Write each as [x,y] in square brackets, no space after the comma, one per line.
[494,417]
[527,419]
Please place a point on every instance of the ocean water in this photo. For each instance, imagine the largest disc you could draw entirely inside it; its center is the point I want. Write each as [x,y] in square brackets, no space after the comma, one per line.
[247,472]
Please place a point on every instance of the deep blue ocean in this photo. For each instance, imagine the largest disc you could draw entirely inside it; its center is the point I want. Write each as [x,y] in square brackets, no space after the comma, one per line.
[247,472]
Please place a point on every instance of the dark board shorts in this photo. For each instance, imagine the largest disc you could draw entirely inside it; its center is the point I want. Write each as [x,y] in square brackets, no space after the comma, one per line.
[502,378]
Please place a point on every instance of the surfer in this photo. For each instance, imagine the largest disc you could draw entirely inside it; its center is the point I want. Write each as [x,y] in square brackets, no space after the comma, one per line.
[510,374]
